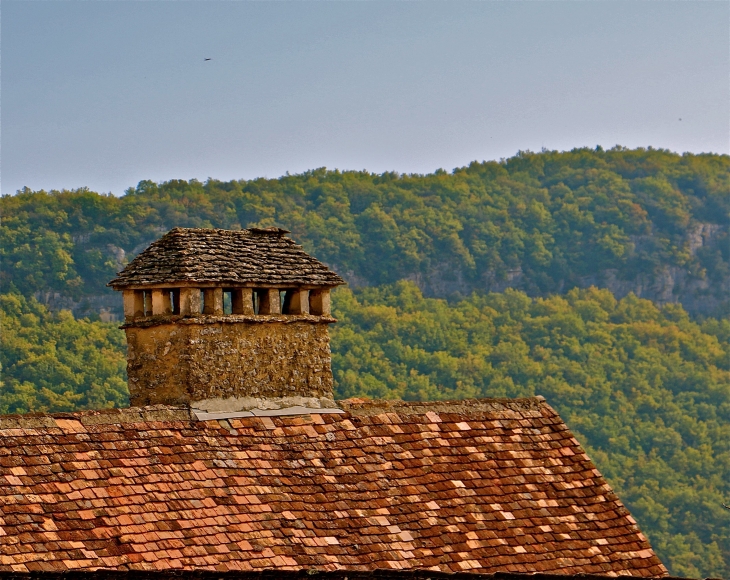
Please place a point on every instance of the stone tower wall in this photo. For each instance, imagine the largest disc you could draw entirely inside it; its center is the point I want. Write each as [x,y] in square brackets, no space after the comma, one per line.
[226,363]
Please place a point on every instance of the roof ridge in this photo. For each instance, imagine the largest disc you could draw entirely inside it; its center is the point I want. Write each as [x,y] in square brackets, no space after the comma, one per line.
[458,406]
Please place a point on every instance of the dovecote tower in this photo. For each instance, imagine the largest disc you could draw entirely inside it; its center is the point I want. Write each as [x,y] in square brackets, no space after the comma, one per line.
[228,321]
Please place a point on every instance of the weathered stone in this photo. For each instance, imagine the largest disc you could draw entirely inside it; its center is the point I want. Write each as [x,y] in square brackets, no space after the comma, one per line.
[319,302]
[213,301]
[235,404]
[189,301]
[296,302]
[242,300]
[161,302]
[133,304]
[208,358]
[269,301]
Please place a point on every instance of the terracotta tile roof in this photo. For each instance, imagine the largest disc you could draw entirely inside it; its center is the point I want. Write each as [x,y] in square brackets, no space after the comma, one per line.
[273,574]
[253,256]
[469,486]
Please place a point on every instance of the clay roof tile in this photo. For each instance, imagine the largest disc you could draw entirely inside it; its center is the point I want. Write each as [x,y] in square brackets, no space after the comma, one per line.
[150,486]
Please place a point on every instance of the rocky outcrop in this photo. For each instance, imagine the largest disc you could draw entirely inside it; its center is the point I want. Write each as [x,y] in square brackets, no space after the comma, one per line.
[698,291]
[691,286]
[105,306]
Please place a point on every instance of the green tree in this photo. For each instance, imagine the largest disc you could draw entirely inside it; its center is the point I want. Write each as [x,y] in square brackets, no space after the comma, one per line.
[52,362]
[543,222]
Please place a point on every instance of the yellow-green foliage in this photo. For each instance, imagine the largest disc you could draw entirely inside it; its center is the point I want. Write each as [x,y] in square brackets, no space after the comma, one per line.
[646,390]
[56,363]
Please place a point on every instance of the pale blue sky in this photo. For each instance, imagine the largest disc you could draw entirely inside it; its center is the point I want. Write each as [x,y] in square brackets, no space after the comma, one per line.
[105,94]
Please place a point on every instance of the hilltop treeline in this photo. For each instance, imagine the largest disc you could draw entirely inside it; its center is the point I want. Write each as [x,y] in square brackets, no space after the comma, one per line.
[647,221]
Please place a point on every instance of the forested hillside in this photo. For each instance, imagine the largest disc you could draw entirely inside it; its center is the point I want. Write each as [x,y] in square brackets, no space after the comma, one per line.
[651,222]
[505,278]
[53,362]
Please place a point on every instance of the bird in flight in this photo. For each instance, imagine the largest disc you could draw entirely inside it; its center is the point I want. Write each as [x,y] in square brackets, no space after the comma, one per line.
[206,59]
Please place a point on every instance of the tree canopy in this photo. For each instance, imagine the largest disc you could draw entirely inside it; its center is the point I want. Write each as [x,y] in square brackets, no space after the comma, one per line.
[645,389]
[648,220]
[53,362]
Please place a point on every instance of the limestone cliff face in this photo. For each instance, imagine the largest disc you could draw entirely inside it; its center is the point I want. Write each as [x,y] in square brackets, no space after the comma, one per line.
[106,304]
[691,285]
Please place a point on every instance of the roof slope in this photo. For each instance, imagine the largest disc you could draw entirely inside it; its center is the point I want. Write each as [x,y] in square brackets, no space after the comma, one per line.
[278,574]
[474,486]
[253,256]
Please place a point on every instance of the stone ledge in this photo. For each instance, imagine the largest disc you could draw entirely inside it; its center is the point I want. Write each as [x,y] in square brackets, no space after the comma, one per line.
[262,404]
[527,406]
[151,413]
[288,411]
[148,321]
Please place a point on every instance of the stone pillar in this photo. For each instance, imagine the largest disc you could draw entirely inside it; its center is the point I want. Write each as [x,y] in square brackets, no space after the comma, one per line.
[319,302]
[190,301]
[133,304]
[242,300]
[269,302]
[161,302]
[213,301]
[297,301]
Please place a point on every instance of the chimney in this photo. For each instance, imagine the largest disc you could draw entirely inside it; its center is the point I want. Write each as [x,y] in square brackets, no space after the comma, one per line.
[228,321]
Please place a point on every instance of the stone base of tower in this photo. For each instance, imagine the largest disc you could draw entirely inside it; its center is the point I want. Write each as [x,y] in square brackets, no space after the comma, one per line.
[214,361]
